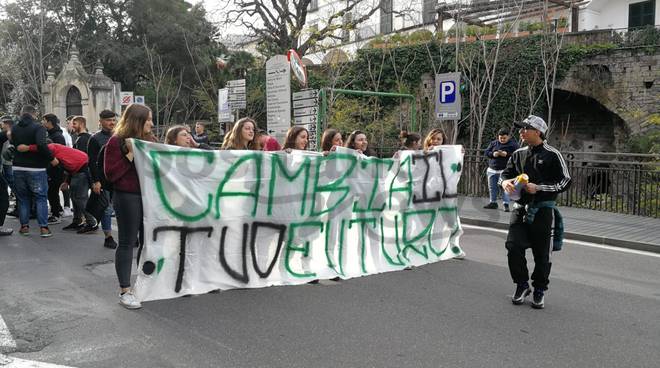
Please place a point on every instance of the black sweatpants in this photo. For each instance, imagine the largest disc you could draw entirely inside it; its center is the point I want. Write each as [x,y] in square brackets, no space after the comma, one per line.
[538,236]
[128,209]
[55,180]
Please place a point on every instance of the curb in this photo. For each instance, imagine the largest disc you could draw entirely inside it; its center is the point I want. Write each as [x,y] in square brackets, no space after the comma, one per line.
[620,243]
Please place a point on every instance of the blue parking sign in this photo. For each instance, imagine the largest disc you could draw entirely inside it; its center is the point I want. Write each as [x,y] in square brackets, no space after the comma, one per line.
[447,96]
[447,92]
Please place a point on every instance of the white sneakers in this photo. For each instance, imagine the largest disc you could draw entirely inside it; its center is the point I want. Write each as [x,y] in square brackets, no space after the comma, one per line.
[128,301]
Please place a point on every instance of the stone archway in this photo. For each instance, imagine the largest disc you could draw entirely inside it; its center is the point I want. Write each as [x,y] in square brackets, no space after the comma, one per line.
[582,123]
[73,102]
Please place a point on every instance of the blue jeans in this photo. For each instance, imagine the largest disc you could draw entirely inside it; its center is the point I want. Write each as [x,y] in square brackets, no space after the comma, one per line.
[32,184]
[493,188]
[106,220]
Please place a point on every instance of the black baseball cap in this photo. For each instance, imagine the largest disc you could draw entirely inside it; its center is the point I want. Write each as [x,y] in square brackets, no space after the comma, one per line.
[107,114]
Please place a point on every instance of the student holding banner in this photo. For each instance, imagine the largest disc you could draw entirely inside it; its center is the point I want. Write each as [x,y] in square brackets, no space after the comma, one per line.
[357,140]
[136,123]
[297,137]
[178,135]
[330,140]
[436,137]
[241,136]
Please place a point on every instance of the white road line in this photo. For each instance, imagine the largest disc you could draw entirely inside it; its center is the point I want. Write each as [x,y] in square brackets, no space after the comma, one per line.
[11,362]
[6,340]
[585,244]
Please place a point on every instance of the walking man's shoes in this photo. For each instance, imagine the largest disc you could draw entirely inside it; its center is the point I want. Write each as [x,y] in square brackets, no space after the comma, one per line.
[75,225]
[88,229]
[491,206]
[522,292]
[45,232]
[506,207]
[110,243]
[538,300]
[5,231]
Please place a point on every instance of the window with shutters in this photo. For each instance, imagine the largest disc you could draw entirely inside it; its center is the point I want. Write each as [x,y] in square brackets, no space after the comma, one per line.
[641,14]
[313,5]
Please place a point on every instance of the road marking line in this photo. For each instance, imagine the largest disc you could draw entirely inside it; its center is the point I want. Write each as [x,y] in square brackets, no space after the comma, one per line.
[11,362]
[6,340]
[578,242]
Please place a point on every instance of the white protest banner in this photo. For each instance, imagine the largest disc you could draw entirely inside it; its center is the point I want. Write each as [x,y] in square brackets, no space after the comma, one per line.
[251,219]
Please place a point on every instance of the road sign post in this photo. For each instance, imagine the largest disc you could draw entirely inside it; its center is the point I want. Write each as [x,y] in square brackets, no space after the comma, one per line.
[448,96]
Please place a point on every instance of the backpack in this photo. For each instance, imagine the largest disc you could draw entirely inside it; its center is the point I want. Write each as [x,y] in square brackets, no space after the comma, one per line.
[100,168]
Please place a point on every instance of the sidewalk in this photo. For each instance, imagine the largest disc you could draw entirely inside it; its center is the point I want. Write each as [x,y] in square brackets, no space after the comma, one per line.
[626,231]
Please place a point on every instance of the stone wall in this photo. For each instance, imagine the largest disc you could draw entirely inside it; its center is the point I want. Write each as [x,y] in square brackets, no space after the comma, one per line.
[625,81]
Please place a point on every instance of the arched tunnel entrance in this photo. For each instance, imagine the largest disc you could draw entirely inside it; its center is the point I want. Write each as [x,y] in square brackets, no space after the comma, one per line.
[583,124]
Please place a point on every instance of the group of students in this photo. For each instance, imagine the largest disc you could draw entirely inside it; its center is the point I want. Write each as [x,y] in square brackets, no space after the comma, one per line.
[40,160]
[102,164]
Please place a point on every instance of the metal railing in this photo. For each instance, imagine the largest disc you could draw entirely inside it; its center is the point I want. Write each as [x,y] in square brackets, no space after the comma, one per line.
[613,182]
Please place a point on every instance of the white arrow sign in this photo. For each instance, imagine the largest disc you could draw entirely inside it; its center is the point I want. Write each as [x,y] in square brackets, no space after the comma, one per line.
[310,93]
[308,119]
[236,83]
[312,102]
[305,111]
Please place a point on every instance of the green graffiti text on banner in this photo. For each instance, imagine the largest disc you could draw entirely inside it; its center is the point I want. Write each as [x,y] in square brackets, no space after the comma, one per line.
[256,159]
[155,161]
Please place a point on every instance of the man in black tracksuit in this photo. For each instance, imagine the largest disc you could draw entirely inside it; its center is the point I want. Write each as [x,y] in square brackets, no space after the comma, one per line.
[533,215]
[107,120]
[55,174]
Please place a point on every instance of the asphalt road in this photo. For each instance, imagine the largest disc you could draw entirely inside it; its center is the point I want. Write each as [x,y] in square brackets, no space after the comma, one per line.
[57,297]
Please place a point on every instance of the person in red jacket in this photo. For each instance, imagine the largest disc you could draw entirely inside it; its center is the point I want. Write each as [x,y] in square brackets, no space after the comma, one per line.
[75,165]
[71,159]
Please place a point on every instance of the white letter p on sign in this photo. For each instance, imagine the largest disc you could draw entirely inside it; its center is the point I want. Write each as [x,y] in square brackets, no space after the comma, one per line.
[447,92]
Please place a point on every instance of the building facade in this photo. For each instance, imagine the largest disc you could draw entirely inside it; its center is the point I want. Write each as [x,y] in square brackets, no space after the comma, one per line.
[618,14]
[76,92]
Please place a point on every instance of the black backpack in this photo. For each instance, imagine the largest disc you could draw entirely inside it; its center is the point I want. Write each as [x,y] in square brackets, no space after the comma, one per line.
[100,168]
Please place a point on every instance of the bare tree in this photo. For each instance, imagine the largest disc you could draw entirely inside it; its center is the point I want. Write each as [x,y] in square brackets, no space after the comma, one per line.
[278,24]
[166,85]
[551,46]
[479,63]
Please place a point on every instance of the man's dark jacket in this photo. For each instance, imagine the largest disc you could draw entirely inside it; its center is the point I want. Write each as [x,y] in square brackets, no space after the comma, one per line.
[499,163]
[98,140]
[28,132]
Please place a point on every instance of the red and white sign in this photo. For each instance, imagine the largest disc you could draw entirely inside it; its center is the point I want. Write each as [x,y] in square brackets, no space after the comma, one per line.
[126,98]
[297,67]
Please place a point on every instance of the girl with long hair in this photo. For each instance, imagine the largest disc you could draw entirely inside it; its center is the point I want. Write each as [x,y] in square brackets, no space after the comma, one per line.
[436,137]
[297,137]
[331,138]
[136,123]
[357,140]
[241,136]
